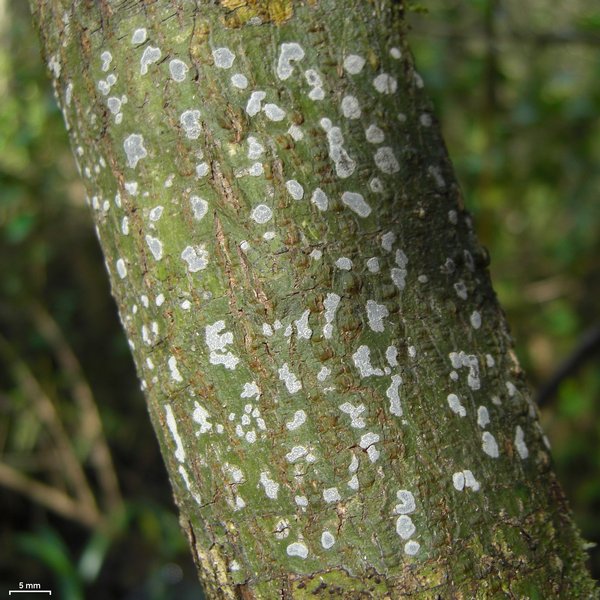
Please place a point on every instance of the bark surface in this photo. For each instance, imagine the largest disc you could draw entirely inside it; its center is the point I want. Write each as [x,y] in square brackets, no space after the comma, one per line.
[326,366]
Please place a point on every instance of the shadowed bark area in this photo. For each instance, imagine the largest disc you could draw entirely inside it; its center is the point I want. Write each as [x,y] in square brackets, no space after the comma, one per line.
[326,366]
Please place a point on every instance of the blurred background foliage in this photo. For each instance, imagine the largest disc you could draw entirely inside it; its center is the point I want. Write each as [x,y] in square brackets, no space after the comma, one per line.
[85,502]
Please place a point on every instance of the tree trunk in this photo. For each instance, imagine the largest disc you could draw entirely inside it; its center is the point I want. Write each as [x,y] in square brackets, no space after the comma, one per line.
[325,363]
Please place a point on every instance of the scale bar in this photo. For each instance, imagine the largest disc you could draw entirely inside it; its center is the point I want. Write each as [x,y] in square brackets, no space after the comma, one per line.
[49,592]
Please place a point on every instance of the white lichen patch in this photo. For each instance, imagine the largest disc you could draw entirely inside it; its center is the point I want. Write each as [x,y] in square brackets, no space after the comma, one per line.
[271,487]
[234,474]
[367,442]
[386,160]
[376,313]
[54,66]
[465,479]
[121,268]
[302,327]
[353,64]
[254,104]
[288,53]
[282,529]
[316,83]
[391,355]
[411,547]
[297,549]
[297,421]
[456,406]
[323,374]
[475,319]
[331,303]
[385,84]
[223,58]
[327,540]
[483,417]
[388,239]
[250,390]
[190,121]
[520,444]
[255,148]
[292,383]
[354,412]
[178,70]
[374,134]
[295,132]
[104,86]
[350,107]
[461,290]
[199,207]
[461,359]
[156,213]
[273,112]
[331,495]
[239,81]
[489,444]
[376,185]
[295,190]
[405,528]
[394,395]
[134,149]
[344,165]
[373,265]
[196,257]
[261,214]
[202,170]
[139,36]
[406,503]
[301,501]
[344,263]
[217,343]
[356,202]
[156,247]
[172,425]
[175,374]
[436,174]
[319,199]
[362,361]
[114,104]
[106,58]
[296,453]
[149,56]
[200,416]
[188,484]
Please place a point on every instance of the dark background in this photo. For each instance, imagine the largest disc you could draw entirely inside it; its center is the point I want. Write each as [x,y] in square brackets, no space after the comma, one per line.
[516,86]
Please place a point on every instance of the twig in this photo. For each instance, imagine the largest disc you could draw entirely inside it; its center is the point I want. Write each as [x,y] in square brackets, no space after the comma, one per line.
[49,497]
[91,423]
[47,413]
[589,344]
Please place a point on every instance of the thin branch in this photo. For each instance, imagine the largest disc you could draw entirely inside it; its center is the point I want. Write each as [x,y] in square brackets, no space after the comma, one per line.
[47,413]
[588,346]
[49,497]
[91,423]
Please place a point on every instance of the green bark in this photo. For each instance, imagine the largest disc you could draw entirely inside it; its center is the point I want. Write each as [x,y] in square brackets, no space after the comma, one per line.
[326,366]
